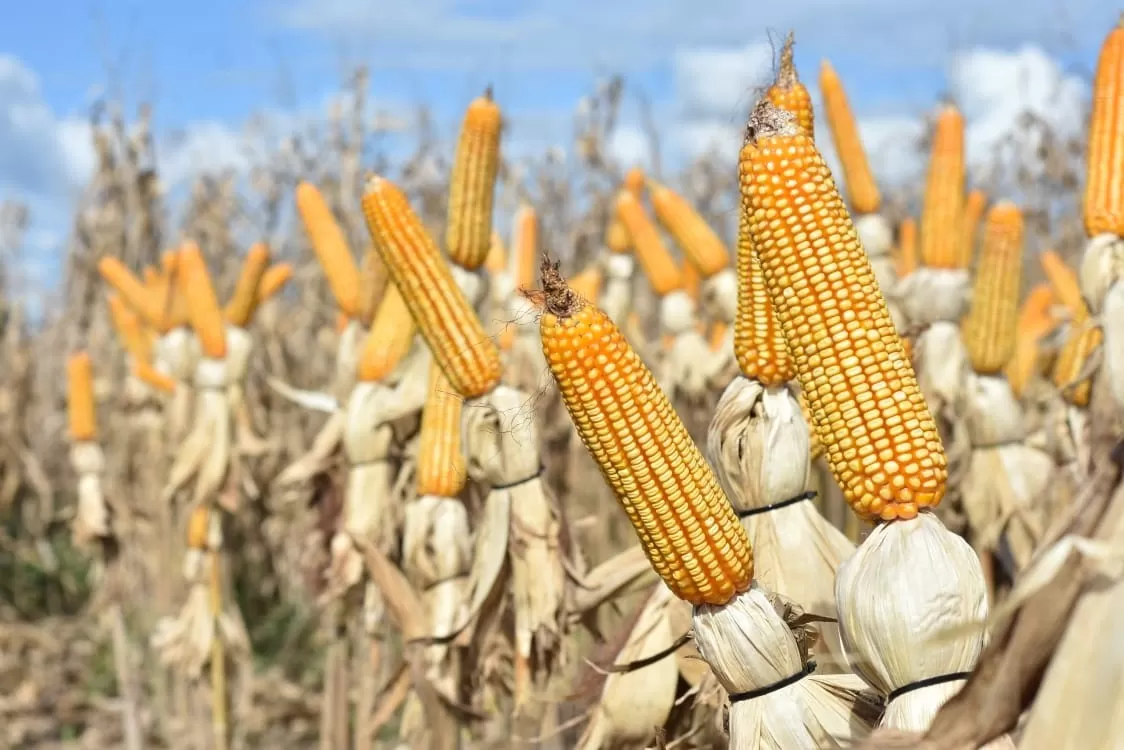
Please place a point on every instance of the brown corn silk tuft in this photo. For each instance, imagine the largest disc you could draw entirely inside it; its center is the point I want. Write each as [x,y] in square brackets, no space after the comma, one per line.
[990,328]
[943,207]
[684,521]
[472,184]
[879,437]
[862,190]
[1104,179]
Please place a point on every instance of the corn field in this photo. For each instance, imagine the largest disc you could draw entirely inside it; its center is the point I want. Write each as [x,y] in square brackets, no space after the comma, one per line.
[476,455]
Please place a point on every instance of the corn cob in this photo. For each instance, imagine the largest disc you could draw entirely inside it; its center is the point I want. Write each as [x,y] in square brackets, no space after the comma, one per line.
[683,519]
[658,265]
[372,285]
[1071,360]
[758,342]
[150,276]
[388,342]
[990,327]
[525,245]
[169,260]
[1104,181]
[634,181]
[496,262]
[862,190]
[943,208]
[80,398]
[691,232]
[974,206]
[135,294]
[242,303]
[172,305]
[789,94]
[907,247]
[717,337]
[1035,321]
[472,184]
[691,280]
[1064,282]
[469,358]
[275,277]
[135,338]
[881,442]
[202,306]
[198,527]
[441,464]
[330,246]
[152,377]
[815,447]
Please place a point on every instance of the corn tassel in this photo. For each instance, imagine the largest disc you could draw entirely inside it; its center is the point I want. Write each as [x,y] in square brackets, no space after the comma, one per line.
[1104,180]
[472,184]
[441,465]
[242,303]
[202,306]
[683,519]
[862,190]
[389,340]
[789,94]
[330,246]
[881,442]
[758,342]
[974,206]
[691,232]
[943,209]
[990,327]
[469,358]
[80,398]
[660,268]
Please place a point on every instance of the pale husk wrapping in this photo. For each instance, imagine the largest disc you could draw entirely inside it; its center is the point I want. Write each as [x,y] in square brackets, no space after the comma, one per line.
[616,294]
[876,236]
[1112,324]
[942,366]
[91,518]
[934,295]
[347,359]
[1102,267]
[205,453]
[750,646]
[632,704]
[719,295]
[176,354]
[908,585]
[758,445]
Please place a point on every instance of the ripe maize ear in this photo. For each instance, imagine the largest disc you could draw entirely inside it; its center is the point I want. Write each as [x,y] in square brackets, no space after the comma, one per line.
[943,206]
[441,464]
[907,247]
[717,336]
[202,306]
[496,262]
[135,294]
[990,328]
[691,280]
[80,398]
[525,245]
[169,259]
[634,181]
[1065,284]
[880,439]
[389,340]
[660,268]
[242,303]
[974,206]
[134,337]
[683,519]
[1071,360]
[789,94]
[472,184]
[1035,321]
[862,190]
[198,527]
[274,278]
[172,305]
[372,285]
[330,246]
[153,378]
[815,447]
[1104,180]
[758,342]
[455,335]
[691,232]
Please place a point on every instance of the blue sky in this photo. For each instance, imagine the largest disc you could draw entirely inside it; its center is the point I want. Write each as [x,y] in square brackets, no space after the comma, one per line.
[209,65]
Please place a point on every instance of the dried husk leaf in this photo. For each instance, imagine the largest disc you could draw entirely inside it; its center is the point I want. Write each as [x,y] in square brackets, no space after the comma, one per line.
[1102,267]
[877,237]
[348,349]
[616,295]
[319,455]
[942,365]
[719,296]
[176,354]
[1112,324]
[907,585]
[92,518]
[934,295]
[750,646]
[205,452]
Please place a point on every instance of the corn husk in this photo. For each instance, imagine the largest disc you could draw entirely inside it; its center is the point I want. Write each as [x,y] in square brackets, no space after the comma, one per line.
[633,704]
[942,366]
[347,359]
[1112,325]
[750,646]
[899,597]
[932,295]
[876,235]
[176,354]
[719,296]
[689,367]
[92,516]
[758,445]
[616,295]
[1102,267]
[205,453]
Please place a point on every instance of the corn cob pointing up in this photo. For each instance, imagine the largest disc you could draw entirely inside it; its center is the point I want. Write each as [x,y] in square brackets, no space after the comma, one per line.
[789,94]
[942,234]
[758,342]
[881,442]
[989,329]
[1104,182]
[472,184]
[861,187]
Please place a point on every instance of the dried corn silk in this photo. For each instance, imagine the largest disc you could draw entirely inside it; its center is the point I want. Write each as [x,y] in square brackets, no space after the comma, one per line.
[909,601]
[205,453]
[526,363]
[91,517]
[777,701]
[616,295]
[758,444]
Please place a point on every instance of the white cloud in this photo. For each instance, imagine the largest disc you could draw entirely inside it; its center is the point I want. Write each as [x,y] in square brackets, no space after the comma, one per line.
[630,147]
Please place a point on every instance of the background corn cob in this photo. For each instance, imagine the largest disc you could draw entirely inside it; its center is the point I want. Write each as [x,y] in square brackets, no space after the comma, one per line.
[80,397]
[942,232]
[990,327]
[658,265]
[202,305]
[1083,339]
[862,190]
[974,206]
[389,340]
[907,247]
[1104,177]
[330,246]
[1064,282]
[472,184]
[245,298]
[1035,321]
[135,339]
[135,294]
[691,232]
[758,342]
[441,465]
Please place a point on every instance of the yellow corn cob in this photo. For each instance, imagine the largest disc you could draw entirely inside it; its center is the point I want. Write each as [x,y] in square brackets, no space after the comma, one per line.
[242,302]
[881,441]
[989,328]
[80,397]
[373,282]
[1035,321]
[151,276]
[152,377]
[658,265]
[717,337]
[525,245]
[789,94]
[472,184]
[616,236]
[1065,284]
[683,519]
[815,447]
[198,527]
[691,232]
[634,181]
[1071,359]
[496,262]
[441,465]
[943,209]
[758,342]
[330,246]
[274,278]
[169,259]
[587,283]
[862,190]
[202,306]
[691,279]
[469,358]
[907,247]
[169,301]
[135,294]
[388,342]
[1104,180]
[134,337]
[974,206]
[342,322]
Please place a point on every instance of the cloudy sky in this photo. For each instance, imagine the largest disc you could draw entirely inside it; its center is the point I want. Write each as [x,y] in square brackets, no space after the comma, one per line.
[209,65]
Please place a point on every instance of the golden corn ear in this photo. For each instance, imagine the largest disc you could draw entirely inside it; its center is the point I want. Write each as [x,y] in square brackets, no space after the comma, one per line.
[660,268]
[943,206]
[135,294]
[789,94]
[616,236]
[634,181]
[525,245]
[242,303]
[373,282]
[496,262]
[273,280]
[1065,284]
[1035,321]
[441,464]
[80,398]
[169,259]
[470,359]
[880,439]
[907,247]
[758,342]
[691,279]
[134,337]
[1071,360]
[683,519]
[153,378]
[717,336]
[389,340]
[691,232]
[198,527]
[472,184]
[990,327]
[151,276]
[1104,178]
[330,246]
[815,447]
[974,206]
[172,305]
[862,190]
[202,306]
